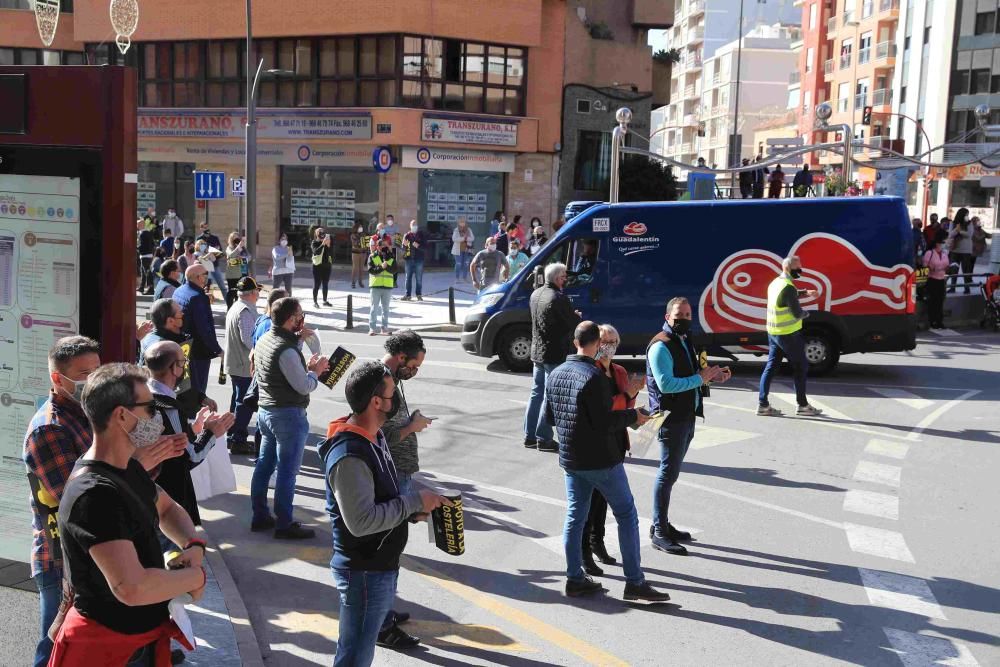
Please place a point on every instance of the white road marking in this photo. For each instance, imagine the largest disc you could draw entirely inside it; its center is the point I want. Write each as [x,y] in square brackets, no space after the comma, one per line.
[787,394]
[436,476]
[519,402]
[878,473]
[907,398]
[925,651]
[818,422]
[926,422]
[713,436]
[888,386]
[887,448]
[900,592]
[878,542]
[944,332]
[871,503]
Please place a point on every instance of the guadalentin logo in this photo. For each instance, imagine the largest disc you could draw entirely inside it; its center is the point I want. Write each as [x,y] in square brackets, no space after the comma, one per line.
[635,229]
[635,239]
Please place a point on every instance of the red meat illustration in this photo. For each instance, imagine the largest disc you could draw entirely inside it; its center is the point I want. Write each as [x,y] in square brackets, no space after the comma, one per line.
[635,229]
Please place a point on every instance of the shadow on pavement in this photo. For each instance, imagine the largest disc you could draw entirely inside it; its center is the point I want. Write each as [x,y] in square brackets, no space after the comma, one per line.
[764,476]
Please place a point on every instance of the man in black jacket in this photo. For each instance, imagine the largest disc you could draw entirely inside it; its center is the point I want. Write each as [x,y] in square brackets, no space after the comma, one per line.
[552,322]
[578,403]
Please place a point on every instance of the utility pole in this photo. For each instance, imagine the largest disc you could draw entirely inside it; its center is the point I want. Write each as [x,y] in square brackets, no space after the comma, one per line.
[250,158]
[736,152]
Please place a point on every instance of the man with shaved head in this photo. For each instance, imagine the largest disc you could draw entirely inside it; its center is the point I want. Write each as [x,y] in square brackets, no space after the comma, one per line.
[199,324]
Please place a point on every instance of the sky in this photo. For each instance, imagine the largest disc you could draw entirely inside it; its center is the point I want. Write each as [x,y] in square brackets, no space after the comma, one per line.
[657,39]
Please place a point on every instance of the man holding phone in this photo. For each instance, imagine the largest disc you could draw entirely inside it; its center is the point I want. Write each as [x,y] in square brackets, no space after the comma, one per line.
[676,384]
[404,353]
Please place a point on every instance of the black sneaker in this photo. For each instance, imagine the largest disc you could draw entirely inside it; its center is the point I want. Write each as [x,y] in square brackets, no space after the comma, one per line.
[259,525]
[668,545]
[644,593]
[406,298]
[244,447]
[294,532]
[395,637]
[326,303]
[592,568]
[548,446]
[586,586]
[420,298]
[530,443]
[678,535]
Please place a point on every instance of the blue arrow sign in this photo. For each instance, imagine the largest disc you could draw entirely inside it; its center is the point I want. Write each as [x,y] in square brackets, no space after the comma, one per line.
[209,185]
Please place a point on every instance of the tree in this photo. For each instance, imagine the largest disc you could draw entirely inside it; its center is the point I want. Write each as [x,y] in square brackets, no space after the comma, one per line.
[667,56]
[643,179]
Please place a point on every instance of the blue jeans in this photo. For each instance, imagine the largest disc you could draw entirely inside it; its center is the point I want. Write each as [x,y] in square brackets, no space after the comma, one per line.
[381,297]
[675,438]
[284,432]
[535,424]
[240,407]
[462,261]
[613,485]
[199,369]
[220,281]
[365,599]
[779,347]
[414,269]
[49,585]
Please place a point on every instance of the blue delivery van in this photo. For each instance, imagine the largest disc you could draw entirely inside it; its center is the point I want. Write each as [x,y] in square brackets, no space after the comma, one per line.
[627,260]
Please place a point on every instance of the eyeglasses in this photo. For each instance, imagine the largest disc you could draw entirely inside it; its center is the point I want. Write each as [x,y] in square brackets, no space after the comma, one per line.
[149,405]
[384,398]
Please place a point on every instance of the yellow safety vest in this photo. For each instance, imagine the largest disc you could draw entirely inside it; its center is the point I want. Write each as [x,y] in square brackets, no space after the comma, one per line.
[383,279]
[780,320]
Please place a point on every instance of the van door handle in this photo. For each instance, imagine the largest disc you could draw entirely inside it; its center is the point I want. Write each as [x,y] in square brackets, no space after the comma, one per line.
[595,295]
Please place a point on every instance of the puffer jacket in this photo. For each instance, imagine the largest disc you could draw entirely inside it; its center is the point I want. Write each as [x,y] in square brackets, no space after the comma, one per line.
[552,323]
[578,404]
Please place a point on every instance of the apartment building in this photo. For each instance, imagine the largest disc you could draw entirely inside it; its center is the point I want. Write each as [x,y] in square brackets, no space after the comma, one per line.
[707,34]
[467,95]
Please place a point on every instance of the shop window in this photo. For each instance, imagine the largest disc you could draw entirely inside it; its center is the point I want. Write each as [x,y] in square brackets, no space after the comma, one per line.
[28,57]
[73,58]
[51,58]
[367,56]
[387,55]
[495,65]
[494,100]
[328,58]
[345,57]
[475,63]
[413,57]
[985,23]
[368,93]
[971,194]
[593,161]
[515,67]
[960,83]
[453,97]
[473,99]
[432,58]
[445,196]
[980,82]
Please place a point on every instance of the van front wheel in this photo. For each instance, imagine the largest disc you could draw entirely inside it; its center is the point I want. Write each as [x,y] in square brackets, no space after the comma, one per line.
[822,351]
[514,348]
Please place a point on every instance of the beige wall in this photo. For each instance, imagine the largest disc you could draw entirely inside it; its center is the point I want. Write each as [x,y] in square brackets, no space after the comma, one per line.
[18,29]
[601,62]
[223,214]
[535,197]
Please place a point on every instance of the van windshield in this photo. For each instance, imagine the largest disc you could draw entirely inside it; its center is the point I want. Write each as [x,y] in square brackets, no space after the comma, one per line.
[580,257]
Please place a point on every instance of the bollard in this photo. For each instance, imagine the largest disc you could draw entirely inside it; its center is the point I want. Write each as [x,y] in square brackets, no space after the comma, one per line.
[451,305]
[350,312]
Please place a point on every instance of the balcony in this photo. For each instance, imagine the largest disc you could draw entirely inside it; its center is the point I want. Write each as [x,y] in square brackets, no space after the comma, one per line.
[864,55]
[689,92]
[794,78]
[831,25]
[885,51]
[686,149]
[689,120]
[696,7]
[845,61]
[881,98]
[860,101]
[716,79]
[828,67]
[693,62]
[696,35]
[888,6]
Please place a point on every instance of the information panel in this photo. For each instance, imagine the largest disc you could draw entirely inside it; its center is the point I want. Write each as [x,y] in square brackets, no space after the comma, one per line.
[39,303]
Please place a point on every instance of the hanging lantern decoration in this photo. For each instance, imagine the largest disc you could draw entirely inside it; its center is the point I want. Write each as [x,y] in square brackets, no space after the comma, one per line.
[124,19]
[47,18]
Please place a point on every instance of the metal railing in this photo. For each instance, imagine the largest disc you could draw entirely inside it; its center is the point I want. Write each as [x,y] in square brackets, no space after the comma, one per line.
[696,34]
[845,60]
[860,101]
[864,55]
[693,61]
[882,97]
[695,7]
[689,91]
[828,66]
[831,24]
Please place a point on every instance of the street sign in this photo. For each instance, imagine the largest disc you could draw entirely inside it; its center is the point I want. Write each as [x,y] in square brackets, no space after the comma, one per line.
[239,187]
[209,185]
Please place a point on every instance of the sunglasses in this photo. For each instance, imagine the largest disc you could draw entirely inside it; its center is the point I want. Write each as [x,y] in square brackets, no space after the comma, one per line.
[149,405]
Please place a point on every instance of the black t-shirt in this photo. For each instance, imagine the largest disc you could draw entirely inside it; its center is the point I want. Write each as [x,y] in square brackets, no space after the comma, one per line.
[101,512]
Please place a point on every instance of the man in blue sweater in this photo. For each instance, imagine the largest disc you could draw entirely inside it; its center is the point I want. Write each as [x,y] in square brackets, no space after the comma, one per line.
[578,403]
[676,385]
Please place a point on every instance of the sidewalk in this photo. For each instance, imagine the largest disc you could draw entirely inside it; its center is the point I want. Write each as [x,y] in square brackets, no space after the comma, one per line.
[429,314]
[221,625]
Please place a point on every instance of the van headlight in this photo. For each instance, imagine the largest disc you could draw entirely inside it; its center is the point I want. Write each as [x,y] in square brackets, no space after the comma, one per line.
[485,302]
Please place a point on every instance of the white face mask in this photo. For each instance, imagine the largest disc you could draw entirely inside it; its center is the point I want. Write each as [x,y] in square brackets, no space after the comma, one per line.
[147,430]
[78,386]
[606,351]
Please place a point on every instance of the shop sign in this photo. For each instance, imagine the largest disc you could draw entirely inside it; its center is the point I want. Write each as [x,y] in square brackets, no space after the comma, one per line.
[271,124]
[469,131]
[382,159]
[453,158]
[970,172]
[322,155]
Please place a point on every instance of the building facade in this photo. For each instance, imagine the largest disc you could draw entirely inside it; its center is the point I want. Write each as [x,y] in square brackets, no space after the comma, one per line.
[703,88]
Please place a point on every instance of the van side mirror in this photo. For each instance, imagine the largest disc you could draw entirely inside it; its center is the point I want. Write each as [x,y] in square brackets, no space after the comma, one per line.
[539,278]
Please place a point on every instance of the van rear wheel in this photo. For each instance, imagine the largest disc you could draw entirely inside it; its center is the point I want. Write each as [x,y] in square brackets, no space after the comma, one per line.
[514,348]
[822,351]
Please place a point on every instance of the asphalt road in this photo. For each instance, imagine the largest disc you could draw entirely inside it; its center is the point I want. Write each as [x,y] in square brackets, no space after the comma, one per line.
[867,537]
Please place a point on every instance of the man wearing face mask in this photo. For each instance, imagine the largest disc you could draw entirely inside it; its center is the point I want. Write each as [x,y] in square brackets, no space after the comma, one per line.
[784,338]
[285,379]
[57,436]
[215,256]
[413,256]
[675,381]
[108,525]
[173,224]
[199,323]
[368,512]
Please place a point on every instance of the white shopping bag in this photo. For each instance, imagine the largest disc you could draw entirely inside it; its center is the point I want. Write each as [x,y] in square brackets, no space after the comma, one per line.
[215,475]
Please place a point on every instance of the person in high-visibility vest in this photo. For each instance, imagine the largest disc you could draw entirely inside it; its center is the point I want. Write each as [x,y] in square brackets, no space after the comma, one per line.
[784,337]
[382,277]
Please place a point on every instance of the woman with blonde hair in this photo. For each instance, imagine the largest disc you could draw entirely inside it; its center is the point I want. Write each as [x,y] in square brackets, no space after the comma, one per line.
[623,390]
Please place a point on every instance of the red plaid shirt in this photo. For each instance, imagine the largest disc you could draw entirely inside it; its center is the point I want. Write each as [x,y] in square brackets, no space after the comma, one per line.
[58,435]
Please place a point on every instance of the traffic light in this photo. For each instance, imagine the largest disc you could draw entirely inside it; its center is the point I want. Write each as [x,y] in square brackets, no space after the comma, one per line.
[866,116]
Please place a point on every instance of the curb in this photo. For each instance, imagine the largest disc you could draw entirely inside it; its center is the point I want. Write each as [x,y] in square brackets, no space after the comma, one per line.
[246,638]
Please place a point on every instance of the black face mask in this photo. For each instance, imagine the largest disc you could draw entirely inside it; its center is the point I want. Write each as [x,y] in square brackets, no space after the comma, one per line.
[795,273]
[681,327]
[391,412]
